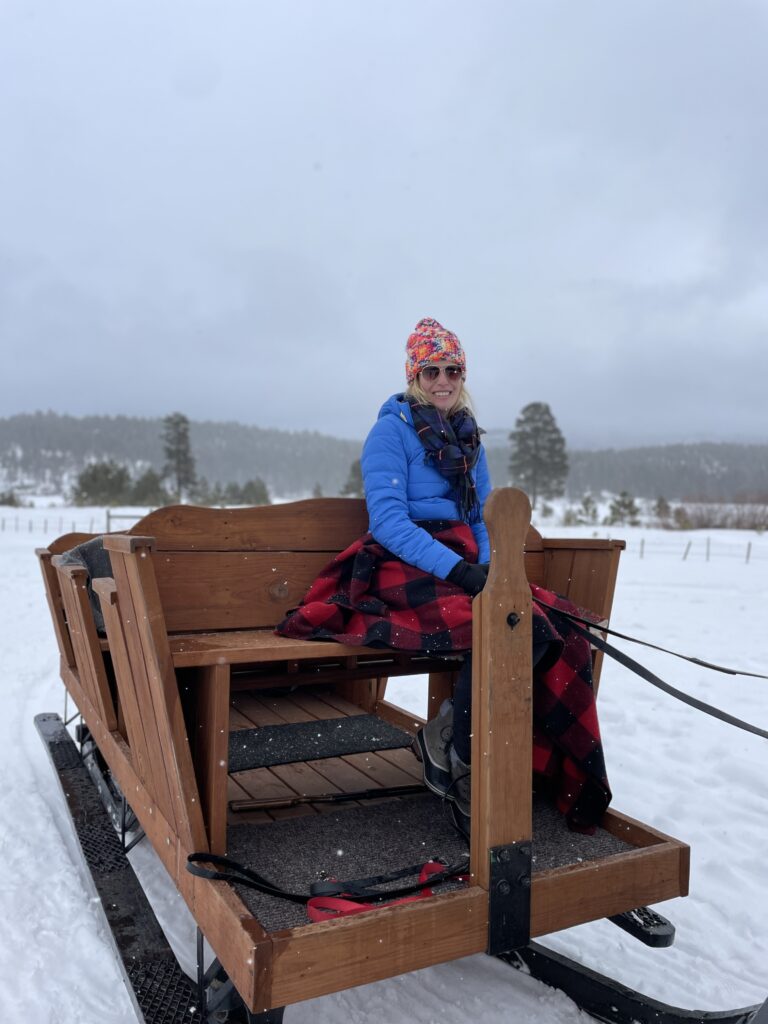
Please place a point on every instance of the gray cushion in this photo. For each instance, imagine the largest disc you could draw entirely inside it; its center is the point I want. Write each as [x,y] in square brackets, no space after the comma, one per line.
[92,557]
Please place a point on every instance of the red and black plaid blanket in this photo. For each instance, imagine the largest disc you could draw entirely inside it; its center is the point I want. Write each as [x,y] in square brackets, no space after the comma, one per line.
[367,596]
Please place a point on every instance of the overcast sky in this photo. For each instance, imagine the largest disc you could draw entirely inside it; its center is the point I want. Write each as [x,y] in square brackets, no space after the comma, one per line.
[239,209]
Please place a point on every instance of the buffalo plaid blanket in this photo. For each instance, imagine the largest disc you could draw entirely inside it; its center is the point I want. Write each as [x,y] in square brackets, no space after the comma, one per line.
[367,596]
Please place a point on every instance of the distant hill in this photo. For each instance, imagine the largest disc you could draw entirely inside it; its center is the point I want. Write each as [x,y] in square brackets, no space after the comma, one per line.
[48,450]
[681,472]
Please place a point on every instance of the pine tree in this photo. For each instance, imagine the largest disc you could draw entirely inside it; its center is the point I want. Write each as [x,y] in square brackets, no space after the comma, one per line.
[149,490]
[623,509]
[103,483]
[254,492]
[179,462]
[353,488]
[538,464]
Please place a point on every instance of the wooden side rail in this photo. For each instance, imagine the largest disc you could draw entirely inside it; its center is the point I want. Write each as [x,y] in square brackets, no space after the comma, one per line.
[502,688]
[150,692]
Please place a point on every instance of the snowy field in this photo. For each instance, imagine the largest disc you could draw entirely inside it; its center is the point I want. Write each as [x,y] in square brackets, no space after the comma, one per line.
[686,774]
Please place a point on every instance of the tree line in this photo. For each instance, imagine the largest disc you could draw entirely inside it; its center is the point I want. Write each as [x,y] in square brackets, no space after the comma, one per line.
[47,452]
[108,482]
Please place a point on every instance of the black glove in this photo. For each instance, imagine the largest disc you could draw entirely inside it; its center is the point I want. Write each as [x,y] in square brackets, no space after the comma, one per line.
[469,577]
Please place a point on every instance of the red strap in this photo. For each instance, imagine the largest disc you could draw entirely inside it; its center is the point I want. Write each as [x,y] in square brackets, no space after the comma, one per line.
[326,908]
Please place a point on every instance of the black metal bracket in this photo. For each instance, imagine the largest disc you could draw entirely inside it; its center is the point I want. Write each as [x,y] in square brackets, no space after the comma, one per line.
[220,998]
[509,897]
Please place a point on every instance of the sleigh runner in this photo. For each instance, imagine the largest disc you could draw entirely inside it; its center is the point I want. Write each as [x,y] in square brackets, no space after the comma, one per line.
[190,660]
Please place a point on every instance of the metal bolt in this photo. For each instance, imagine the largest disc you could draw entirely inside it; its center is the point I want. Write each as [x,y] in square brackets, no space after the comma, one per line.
[503,888]
[512,619]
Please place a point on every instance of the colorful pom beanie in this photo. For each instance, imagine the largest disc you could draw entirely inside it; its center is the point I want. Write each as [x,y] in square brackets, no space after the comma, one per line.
[430,342]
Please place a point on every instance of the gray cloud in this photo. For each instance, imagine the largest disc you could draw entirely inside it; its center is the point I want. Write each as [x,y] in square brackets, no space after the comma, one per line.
[241,210]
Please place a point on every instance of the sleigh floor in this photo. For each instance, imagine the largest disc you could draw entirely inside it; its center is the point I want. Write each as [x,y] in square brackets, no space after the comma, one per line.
[296,845]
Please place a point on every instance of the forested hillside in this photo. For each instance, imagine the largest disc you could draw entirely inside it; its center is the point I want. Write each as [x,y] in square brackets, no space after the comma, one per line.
[48,449]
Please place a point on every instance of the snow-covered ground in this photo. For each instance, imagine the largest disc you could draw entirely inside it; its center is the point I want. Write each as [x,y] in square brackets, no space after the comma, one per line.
[674,768]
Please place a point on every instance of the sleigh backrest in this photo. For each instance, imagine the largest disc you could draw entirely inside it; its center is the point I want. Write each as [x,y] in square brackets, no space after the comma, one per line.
[244,568]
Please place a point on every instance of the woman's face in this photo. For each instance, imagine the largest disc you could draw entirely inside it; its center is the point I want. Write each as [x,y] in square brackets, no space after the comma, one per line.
[444,389]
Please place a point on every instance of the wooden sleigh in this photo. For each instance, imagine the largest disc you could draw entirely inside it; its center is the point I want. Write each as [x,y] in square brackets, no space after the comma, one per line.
[190,658]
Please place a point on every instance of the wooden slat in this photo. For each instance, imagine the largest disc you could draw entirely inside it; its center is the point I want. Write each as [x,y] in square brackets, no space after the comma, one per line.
[399,716]
[585,572]
[339,704]
[263,784]
[233,590]
[440,687]
[501,689]
[244,647]
[378,770]
[210,750]
[285,708]
[237,720]
[85,641]
[364,692]
[155,680]
[313,706]
[595,889]
[134,724]
[330,956]
[343,775]
[254,712]
[325,524]
[151,735]
[56,605]
[405,760]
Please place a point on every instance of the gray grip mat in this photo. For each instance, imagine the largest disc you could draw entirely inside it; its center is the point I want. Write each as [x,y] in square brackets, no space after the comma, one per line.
[308,741]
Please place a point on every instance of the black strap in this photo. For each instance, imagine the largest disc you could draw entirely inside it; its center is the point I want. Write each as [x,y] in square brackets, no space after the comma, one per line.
[644,673]
[646,643]
[355,889]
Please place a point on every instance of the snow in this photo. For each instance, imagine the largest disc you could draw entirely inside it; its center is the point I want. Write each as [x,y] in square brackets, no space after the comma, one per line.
[675,769]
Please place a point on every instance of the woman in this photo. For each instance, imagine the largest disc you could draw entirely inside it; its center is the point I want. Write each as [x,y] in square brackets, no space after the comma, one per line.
[410,581]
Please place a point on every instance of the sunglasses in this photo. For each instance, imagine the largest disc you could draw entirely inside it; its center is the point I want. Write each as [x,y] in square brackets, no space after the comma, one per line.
[451,372]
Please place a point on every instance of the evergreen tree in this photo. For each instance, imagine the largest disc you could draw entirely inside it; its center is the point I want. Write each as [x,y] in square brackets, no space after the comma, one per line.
[179,462]
[317,491]
[11,499]
[353,488]
[254,492]
[103,483]
[662,511]
[149,490]
[588,510]
[623,510]
[538,464]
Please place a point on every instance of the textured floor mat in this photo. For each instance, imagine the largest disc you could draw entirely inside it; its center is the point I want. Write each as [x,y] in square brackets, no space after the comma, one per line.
[374,839]
[308,741]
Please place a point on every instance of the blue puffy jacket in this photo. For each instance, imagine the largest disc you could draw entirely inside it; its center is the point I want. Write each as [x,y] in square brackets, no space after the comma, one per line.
[401,488]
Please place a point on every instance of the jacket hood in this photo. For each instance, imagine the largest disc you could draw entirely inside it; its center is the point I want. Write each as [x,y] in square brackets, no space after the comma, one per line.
[397,405]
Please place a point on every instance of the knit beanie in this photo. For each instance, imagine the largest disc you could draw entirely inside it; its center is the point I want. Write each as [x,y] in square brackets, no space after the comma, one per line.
[430,342]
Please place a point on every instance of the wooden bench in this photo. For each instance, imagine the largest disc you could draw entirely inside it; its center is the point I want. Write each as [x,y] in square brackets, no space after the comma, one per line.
[190,653]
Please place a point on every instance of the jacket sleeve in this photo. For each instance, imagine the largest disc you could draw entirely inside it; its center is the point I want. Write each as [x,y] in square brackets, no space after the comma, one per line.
[483,485]
[385,478]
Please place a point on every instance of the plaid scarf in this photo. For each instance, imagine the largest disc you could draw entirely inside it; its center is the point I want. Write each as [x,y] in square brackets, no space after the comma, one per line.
[367,596]
[452,446]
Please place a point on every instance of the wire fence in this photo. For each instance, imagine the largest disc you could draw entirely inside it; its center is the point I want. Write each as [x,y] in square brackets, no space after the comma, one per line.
[53,525]
[707,549]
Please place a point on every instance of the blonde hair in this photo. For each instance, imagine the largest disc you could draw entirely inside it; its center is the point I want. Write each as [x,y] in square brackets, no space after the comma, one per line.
[464,400]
